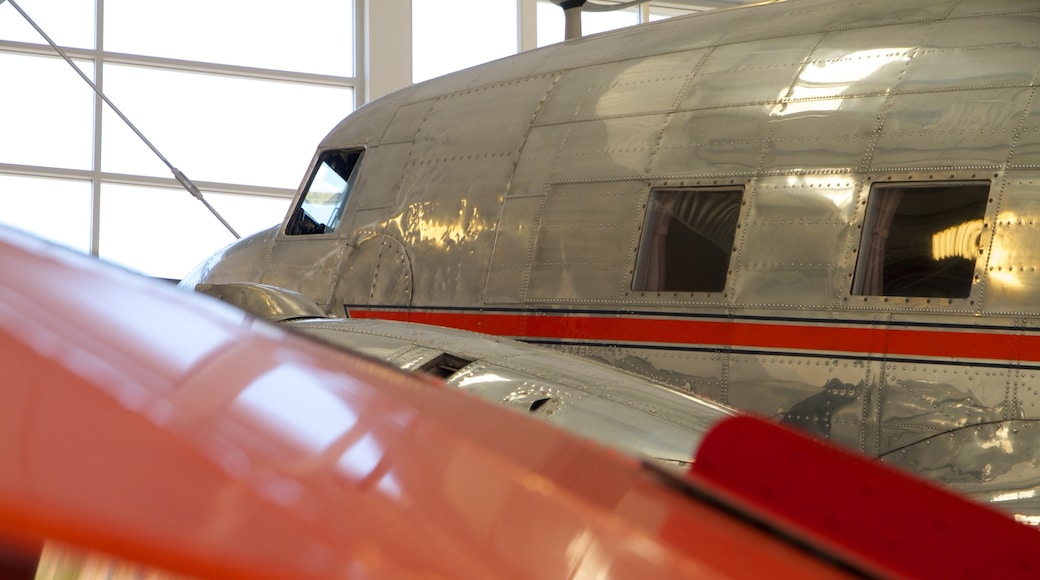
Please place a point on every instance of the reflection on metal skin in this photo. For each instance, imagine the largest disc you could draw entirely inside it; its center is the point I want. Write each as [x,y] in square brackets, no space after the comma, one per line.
[268,302]
[993,461]
[599,402]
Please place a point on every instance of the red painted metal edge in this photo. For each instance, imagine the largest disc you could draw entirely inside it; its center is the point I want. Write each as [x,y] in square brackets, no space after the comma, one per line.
[881,519]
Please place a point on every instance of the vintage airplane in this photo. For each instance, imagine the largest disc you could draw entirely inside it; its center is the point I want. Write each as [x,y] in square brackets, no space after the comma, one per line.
[823,211]
[149,432]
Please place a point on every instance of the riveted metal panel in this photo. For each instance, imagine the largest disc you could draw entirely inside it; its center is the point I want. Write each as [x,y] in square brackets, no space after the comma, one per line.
[537,163]
[377,272]
[608,148]
[407,121]
[480,165]
[440,86]
[447,228]
[580,52]
[1012,274]
[986,66]
[826,397]
[969,7]
[793,246]
[586,233]
[780,19]
[365,125]
[636,86]
[1027,147]
[1025,386]
[857,62]
[515,67]
[996,30]
[305,264]
[755,72]
[714,142]
[817,135]
[515,240]
[892,12]
[376,188]
[699,373]
[923,399]
[448,236]
[970,128]
[484,120]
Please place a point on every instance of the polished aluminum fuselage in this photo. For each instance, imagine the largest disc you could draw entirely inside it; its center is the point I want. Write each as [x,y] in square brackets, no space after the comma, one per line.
[510,198]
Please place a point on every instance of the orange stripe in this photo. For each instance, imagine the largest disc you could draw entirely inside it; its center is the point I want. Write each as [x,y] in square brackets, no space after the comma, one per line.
[714,333]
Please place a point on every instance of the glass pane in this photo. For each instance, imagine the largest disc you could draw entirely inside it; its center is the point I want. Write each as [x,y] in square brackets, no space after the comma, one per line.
[167,232]
[921,240]
[322,206]
[315,36]
[449,35]
[216,128]
[687,240]
[663,12]
[595,22]
[550,23]
[69,23]
[47,113]
[54,209]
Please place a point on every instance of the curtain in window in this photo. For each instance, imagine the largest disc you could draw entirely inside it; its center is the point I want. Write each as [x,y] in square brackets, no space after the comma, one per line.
[872,273]
[652,256]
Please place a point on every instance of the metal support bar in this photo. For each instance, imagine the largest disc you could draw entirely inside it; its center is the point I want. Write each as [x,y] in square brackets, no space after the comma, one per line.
[181,178]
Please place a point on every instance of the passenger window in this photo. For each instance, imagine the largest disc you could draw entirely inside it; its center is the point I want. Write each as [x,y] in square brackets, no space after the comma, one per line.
[921,239]
[687,240]
[328,189]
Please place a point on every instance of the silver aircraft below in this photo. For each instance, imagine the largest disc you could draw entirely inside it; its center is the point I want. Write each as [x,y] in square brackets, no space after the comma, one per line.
[823,211]
[613,407]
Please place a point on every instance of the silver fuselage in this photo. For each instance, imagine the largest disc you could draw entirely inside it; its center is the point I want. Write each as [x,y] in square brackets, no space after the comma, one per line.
[514,198]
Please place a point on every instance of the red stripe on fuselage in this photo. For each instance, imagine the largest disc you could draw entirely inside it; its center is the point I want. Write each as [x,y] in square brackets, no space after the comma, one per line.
[822,337]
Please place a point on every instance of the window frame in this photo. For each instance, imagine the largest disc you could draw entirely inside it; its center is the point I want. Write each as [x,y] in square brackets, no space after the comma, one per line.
[336,217]
[644,252]
[865,248]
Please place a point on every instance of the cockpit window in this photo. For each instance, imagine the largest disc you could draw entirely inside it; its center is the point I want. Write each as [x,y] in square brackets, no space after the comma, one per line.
[321,206]
[687,239]
[921,239]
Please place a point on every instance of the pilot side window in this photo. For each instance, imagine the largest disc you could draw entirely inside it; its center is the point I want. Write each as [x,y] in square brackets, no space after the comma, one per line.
[921,239]
[687,239]
[328,189]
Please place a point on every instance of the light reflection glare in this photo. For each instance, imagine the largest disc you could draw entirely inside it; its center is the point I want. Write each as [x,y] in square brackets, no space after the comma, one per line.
[821,83]
[1001,269]
[480,379]
[1000,441]
[803,107]
[823,187]
[1015,495]
[586,559]
[361,458]
[426,225]
[959,241]
[287,399]
[390,486]
[850,69]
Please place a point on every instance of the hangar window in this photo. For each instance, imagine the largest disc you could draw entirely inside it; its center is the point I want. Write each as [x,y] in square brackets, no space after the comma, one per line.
[921,239]
[326,194]
[687,239]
